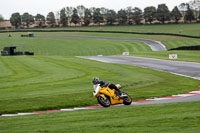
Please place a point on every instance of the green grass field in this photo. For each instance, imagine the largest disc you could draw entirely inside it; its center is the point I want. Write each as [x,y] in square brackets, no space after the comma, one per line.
[164,118]
[53,82]
[75,47]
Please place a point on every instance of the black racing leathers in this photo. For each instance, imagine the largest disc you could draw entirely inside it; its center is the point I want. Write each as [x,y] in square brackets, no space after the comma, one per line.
[111,86]
[103,83]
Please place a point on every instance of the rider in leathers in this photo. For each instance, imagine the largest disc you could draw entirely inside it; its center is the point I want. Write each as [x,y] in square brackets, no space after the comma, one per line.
[104,84]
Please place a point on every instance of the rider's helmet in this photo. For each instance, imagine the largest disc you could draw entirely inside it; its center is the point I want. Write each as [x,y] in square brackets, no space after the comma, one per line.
[118,86]
[95,80]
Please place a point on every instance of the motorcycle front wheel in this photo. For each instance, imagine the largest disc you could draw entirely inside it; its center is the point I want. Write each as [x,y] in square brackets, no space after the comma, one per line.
[127,100]
[105,102]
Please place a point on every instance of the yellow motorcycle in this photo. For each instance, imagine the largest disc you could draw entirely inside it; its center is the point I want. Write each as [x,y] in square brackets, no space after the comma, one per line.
[106,96]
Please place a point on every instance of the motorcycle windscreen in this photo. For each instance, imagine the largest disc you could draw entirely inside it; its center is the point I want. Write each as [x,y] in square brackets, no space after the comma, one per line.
[96,89]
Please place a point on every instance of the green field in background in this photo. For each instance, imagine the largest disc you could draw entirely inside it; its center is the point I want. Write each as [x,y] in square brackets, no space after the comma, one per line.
[168,41]
[183,29]
[86,47]
[72,47]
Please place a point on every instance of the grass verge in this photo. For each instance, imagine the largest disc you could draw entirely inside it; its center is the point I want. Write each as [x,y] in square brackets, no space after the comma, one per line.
[163,118]
[191,56]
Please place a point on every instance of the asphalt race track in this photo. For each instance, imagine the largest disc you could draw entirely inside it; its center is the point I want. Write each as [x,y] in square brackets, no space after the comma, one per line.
[154,45]
[188,69]
[185,98]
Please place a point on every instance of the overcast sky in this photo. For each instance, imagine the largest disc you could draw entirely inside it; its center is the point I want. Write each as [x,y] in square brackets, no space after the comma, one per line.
[7,7]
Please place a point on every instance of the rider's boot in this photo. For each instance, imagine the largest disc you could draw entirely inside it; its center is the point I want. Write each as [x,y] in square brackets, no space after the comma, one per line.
[119,94]
[122,95]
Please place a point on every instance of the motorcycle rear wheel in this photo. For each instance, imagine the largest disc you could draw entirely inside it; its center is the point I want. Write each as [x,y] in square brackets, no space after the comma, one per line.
[127,100]
[105,102]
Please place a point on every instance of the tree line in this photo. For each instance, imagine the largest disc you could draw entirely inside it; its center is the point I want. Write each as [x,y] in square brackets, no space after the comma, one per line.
[128,16]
